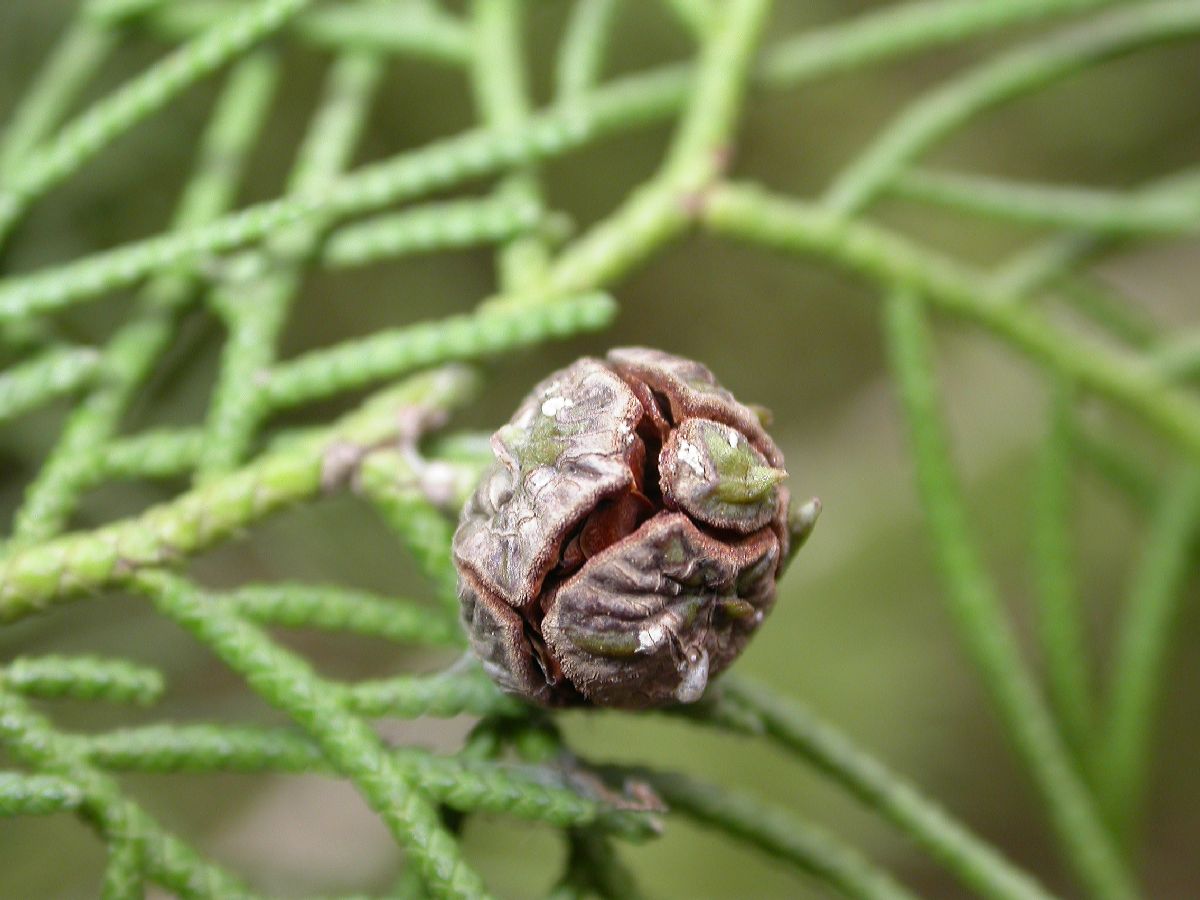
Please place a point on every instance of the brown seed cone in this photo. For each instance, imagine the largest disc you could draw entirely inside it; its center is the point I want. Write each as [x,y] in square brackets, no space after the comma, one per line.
[626,544]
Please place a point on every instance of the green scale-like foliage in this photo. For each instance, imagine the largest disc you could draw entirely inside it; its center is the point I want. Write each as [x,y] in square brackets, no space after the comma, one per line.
[1087,760]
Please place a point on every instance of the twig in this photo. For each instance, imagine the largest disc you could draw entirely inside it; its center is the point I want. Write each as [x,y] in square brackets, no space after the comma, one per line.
[753,709]
[1143,641]
[981,621]
[345,740]
[74,565]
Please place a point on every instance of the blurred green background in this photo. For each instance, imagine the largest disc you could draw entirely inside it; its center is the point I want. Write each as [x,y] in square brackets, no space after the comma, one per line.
[859,631]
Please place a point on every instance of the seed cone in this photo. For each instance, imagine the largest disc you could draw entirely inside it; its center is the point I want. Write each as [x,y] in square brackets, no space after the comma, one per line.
[626,543]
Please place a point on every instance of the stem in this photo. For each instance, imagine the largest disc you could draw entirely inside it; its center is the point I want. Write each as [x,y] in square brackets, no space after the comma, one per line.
[596,868]
[1110,310]
[394,352]
[419,30]
[150,454]
[777,833]
[900,29]
[536,794]
[974,863]
[84,678]
[1178,358]
[64,569]
[1122,469]
[625,103]
[1044,263]
[1060,617]
[581,54]
[170,862]
[977,610]
[1010,75]
[75,58]
[354,750]
[1103,213]
[444,696]
[394,487]
[123,871]
[138,98]
[1143,640]
[694,157]
[36,795]
[376,451]
[256,309]
[435,226]
[133,351]
[699,17]
[332,608]
[498,77]
[52,374]
[890,261]
[662,209]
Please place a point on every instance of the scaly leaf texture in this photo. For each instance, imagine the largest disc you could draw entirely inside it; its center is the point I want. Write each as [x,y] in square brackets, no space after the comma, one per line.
[753,709]
[62,569]
[256,308]
[346,740]
[245,265]
[538,794]
[81,139]
[629,102]
[84,678]
[132,352]
[975,605]
[780,834]
[420,30]
[168,861]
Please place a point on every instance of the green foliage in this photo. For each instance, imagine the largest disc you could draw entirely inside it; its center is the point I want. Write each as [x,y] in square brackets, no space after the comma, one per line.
[1086,751]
